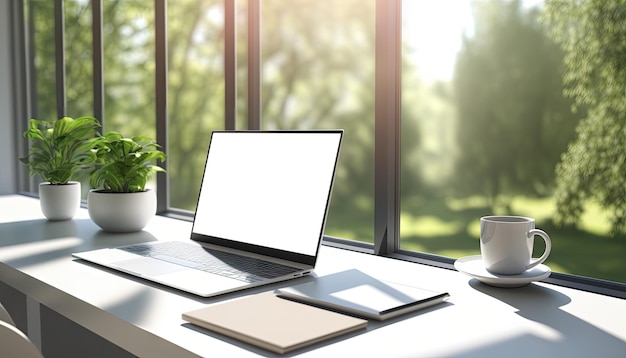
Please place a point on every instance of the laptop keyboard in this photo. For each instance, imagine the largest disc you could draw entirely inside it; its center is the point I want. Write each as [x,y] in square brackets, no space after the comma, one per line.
[222,263]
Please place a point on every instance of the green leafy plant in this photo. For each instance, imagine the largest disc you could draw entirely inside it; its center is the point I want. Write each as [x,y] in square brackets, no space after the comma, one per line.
[61,150]
[124,165]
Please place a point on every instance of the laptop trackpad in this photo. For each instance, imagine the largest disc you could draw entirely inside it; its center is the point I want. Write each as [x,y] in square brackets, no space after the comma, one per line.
[146,266]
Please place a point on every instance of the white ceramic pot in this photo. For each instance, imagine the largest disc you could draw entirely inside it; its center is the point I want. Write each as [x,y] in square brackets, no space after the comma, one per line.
[59,201]
[121,212]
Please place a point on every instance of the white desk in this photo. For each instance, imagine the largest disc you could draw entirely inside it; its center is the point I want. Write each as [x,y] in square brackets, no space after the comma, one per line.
[145,319]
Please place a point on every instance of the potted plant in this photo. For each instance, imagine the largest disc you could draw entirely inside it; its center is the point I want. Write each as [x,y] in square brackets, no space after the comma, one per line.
[60,152]
[119,201]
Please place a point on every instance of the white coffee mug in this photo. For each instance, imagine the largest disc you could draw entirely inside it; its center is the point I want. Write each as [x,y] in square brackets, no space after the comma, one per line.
[506,244]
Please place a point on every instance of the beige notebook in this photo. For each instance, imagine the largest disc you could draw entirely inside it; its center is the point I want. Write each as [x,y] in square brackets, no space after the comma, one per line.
[273,323]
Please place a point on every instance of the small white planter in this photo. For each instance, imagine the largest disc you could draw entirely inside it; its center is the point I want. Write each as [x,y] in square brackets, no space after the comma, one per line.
[121,212]
[60,201]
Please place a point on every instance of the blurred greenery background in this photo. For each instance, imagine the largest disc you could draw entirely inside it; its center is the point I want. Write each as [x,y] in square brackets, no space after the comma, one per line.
[490,106]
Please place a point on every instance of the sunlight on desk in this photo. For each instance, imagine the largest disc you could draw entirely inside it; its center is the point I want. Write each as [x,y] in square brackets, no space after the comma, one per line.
[144,319]
[30,249]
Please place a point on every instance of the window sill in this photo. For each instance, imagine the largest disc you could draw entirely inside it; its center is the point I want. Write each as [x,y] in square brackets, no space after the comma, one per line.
[583,283]
[589,284]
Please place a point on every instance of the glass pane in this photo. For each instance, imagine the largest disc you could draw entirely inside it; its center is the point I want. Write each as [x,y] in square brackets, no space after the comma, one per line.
[41,14]
[318,73]
[78,58]
[484,124]
[195,92]
[129,67]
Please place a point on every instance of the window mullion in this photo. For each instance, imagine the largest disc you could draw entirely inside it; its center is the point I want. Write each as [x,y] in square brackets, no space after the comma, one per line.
[59,40]
[230,64]
[387,127]
[98,61]
[31,70]
[254,64]
[160,39]
[21,64]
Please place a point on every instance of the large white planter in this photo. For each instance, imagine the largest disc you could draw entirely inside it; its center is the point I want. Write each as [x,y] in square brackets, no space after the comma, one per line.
[121,212]
[59,201]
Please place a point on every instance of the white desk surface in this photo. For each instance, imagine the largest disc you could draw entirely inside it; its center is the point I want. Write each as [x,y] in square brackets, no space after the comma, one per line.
[145,319]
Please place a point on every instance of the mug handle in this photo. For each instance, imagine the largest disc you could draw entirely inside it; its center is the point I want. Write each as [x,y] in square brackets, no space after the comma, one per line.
[532,233]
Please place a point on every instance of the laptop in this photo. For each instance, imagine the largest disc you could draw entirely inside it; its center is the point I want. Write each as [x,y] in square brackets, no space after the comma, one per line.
[259,219]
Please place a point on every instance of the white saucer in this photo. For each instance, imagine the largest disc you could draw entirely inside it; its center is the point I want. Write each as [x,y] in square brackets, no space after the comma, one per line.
[473,266]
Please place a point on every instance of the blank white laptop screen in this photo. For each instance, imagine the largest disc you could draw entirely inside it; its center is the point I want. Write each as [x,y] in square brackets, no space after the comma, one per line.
[279,183]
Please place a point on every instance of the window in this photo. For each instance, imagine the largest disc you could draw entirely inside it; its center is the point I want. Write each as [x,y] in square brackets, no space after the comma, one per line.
[440,101]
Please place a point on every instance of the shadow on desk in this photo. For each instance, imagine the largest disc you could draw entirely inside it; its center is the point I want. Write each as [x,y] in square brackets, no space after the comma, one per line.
[37,241]
[543,306]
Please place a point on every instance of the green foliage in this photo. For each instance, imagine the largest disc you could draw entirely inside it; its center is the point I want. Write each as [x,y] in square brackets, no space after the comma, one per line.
[593,35]
[319,72]
[61,150]
[195,92]
[125,164]
[513,121]
[42,13]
